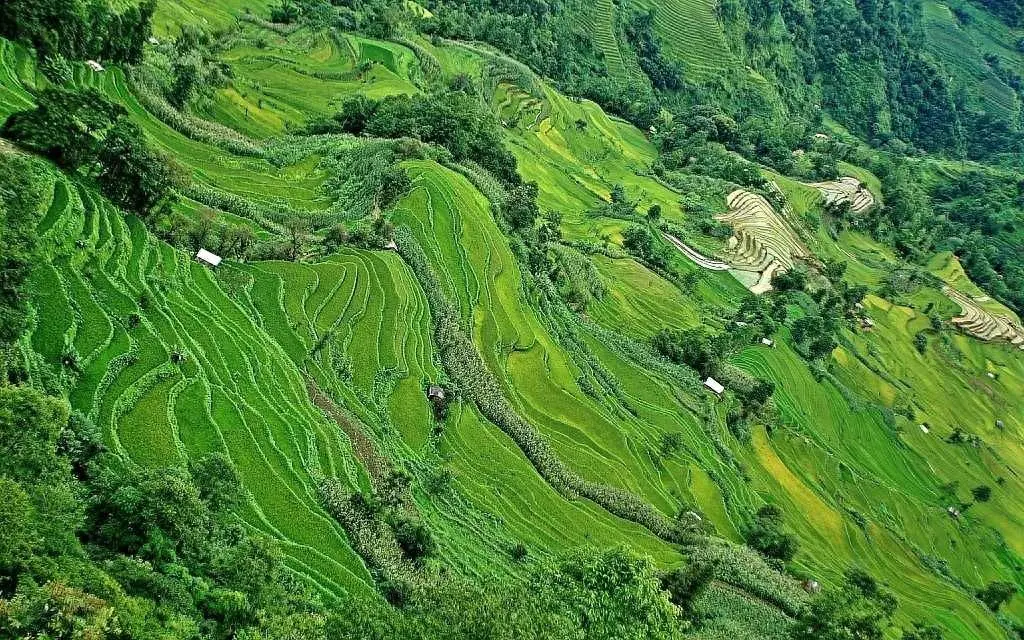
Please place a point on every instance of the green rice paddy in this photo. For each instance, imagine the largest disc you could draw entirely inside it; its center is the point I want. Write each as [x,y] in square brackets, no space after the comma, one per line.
[176,361]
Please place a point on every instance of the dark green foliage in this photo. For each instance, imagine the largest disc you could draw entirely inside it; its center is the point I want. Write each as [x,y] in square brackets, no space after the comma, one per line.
[982,493]
[519,208]
[922,632]
[78,29]
[670,444]
[858,609]
[217,480]
[767,534]
[794,279]
[686,584]
[663,73]
[1010,11]
[587,594]
[285,13]
[158,558]
[79,128]
[642,242]
[80,442]
[66,126]
[920,342]
[692,347]
[414,538]
[21,198]
[452,119]
[133,176]
[996,594]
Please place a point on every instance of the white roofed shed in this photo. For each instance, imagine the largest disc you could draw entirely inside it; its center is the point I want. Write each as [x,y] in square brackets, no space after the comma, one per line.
[714,385]
[206,257]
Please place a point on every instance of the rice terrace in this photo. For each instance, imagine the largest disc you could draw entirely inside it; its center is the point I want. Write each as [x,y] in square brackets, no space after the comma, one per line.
[380,319]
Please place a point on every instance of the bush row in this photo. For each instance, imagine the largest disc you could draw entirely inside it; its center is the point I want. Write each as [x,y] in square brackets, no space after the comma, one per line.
[194,128]
[470,375]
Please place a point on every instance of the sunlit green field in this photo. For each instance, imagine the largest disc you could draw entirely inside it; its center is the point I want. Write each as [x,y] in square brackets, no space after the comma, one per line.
[858,479]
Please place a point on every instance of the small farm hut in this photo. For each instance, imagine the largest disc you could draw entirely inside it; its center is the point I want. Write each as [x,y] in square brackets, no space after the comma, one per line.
[811,586]
[953,512]
[714,385]
[435,393]
[768,342]
[153,41]
[95,66]
[391,245]
[208,258]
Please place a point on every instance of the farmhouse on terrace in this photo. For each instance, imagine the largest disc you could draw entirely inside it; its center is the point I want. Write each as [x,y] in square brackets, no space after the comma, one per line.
[205,257]
[714,385]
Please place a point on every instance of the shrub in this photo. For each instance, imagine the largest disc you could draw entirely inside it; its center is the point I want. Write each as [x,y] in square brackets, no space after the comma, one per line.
[767,536]
[996,594]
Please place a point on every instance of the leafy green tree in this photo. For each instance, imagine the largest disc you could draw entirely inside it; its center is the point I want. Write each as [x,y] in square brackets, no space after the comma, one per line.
[79,29]
[30,425]
[132,175]
[767,534]
[16,516]
[686,584]
[187,74]
[610,594]
[982,493]
[66,126]
[414,538]
[858,609]
[640,241]
[219,484]
[996,594]
[922,632]
[519,208]
[692,347]
[21,198]
[794,279]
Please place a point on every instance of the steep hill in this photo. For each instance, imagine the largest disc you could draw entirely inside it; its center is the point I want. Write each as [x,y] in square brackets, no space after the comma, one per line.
[457,346]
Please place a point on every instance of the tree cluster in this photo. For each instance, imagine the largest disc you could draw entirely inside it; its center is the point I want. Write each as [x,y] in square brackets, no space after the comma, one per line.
[82,130]
[104,548]
[454,120]
[21,198]
[79,29]
[768,535]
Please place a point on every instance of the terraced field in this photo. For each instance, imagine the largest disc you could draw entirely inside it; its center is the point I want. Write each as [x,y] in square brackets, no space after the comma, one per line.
[541,376]
[577,153]
[956,48]
[168,361]
[16,70]
[298,368]
[172,14]
[848,190]
[306,76]
[603,31]
[690,31]
[763,243]
[982,323]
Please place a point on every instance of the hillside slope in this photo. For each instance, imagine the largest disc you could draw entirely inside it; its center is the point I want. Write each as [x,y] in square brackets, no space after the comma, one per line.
[569,422]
